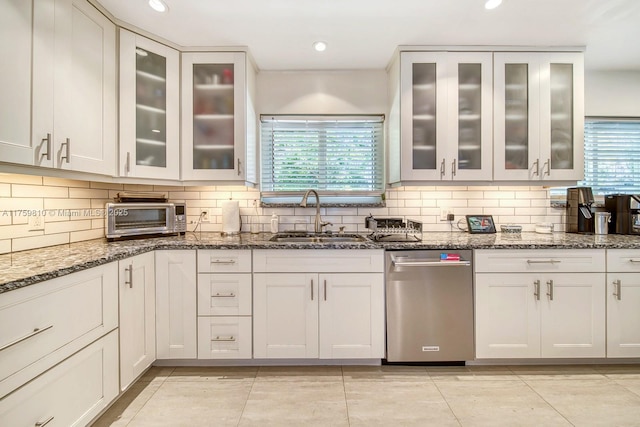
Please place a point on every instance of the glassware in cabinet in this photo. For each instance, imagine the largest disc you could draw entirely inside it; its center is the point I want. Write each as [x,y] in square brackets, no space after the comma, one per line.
[424,116]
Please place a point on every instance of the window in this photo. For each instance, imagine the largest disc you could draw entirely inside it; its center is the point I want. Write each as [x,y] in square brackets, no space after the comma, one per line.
[611,157]
[339,156]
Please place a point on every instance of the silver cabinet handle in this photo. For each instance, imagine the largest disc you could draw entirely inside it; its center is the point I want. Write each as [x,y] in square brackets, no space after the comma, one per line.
[550,289]
[47,153]
[536,289]
[130,271]
[617,288]
[36,331]
[634,260]
[226,339]
[230,295]
[43,423]
[453,168]
[543,261]
[311,289]
[127,165]
[325,289]
[238,167]
[548,164]
[67,145]
[223,261]
[537,167]
[442,168]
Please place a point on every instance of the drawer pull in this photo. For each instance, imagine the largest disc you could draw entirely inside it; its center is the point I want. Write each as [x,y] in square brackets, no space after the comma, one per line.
[35,332]
[230,338]
[223,261]
[634,260]
[536,289]
[44,423]
[543,261]
[550,289]
[617,289]
[231,295]
[130,271]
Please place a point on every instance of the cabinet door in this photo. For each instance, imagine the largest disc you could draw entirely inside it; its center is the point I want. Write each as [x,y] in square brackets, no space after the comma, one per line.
[561,116]
[149,108]
[507,316]
[423,86]
[285,315]
[15,81]
[573,315]
[176,304]
[74,87]
[351,315]
[470,116]
[137,316]
[213,116]
[623,316]
[516,115]
[224,294]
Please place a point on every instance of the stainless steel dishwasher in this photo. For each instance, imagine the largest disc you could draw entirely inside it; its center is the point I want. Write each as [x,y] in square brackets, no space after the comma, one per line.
[429,306]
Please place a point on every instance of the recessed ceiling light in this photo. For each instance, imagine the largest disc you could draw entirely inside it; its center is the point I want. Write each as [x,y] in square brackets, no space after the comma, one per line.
[492,4]
[158,5]
[320,46]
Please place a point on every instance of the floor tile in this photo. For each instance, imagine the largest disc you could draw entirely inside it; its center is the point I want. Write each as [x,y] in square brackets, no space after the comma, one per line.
[558,372]
[299,373]
[296,403]
[498,403]
[591,402]
[390,372]
[203,403]
[632,385]
[156,374]
[127,406]
[213,373]
[619,371]
[471,373]
[396,402]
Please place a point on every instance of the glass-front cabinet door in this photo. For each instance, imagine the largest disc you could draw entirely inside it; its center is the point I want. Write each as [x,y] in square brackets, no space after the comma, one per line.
[538,116]
[446,116]
[213,115]
[149,108]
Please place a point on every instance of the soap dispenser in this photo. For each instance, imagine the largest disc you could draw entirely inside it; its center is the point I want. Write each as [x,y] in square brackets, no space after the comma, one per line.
[274,223]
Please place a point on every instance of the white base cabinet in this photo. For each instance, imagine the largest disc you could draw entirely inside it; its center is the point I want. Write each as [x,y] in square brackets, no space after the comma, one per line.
[137,316]
[176,304]
[318,315]
[542,312]
[623,303]
[72,393]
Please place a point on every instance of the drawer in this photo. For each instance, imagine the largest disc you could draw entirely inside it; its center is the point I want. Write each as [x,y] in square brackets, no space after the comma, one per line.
[318,261]
[72,393]
[224,337]
[623,260]
[52,320]
[540,260]
[224,294]
[224,261]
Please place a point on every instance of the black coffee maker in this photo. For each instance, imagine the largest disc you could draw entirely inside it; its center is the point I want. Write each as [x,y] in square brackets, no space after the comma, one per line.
[578,213]
[625,213]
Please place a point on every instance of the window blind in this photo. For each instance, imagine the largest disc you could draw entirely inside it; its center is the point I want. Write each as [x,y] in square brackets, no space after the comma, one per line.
[338,155]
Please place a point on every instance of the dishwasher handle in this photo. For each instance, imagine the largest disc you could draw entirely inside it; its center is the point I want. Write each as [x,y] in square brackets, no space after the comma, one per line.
[429,263]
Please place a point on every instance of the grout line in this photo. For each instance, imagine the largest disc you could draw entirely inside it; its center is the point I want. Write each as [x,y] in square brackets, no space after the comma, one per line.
[546,401]
[248,395]
[344,391]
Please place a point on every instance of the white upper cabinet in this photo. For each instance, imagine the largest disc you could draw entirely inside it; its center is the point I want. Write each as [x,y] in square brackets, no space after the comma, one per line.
[444,105]
[15,81]
[74,87]
[218,118]
[539,116]
[149,108]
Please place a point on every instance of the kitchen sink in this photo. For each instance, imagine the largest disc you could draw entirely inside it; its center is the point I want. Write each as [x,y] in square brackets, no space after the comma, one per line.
[317,238]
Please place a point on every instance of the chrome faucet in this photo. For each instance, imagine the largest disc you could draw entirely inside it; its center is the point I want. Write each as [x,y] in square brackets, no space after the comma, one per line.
[318,222]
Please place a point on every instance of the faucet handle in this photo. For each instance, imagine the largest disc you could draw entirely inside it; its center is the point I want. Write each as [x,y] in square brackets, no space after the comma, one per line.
[342,227]
[324,224]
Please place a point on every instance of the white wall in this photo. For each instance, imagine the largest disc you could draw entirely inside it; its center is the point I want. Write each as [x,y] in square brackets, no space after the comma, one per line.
[612,93]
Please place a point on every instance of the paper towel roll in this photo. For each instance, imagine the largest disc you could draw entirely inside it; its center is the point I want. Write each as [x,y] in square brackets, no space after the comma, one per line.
[230,217]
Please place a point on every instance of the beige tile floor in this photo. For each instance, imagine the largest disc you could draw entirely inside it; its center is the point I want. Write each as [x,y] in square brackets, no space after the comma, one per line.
[382,396]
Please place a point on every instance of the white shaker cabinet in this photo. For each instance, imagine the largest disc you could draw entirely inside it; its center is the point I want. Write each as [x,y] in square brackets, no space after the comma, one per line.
[219,127]
[539,116]
[149,108]
[541,303]
[137,316]
[441,117]
[74,87]
[303,310]
[15,81]
[623,302]
[176,304]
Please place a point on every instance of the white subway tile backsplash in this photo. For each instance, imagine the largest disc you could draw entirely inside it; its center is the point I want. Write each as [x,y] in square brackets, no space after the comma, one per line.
[18,190]
[5,246]
[66,226]
[88,193]
[63,182]
[79,236]
[515,203]
[184,195]
[467,195]
[26,243]
[10,178]
[107,186]
[8,204]
[70,204]
[499,195]
[484,203]
[5,190]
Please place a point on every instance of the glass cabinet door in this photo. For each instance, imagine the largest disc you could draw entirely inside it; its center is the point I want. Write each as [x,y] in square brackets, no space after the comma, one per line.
[516,117]
[151,109]
[424,116]
[213,108]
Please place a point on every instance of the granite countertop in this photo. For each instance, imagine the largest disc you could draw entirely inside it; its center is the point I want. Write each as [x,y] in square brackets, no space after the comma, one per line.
[25,268]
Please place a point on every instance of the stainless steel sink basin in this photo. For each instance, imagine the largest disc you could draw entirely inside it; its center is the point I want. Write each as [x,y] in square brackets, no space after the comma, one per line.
[317,238]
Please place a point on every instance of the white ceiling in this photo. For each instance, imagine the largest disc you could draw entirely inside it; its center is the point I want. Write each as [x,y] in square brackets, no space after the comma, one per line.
[363,34]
